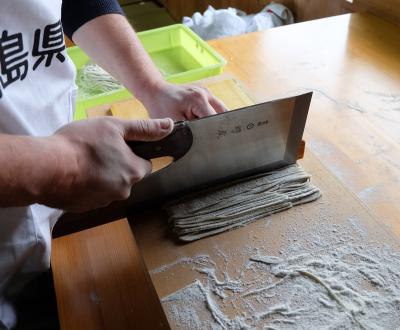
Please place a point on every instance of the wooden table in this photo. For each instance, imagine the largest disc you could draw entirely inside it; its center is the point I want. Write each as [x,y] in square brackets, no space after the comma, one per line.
[352,63]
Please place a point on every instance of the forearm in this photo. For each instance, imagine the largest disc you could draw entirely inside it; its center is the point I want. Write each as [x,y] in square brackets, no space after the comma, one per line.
[111,42]
[76,169]
[31,168]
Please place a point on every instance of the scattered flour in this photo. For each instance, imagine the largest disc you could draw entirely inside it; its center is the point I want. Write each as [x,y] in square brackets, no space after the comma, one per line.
[345,283]
[187,307]
[199,260]
[343,103]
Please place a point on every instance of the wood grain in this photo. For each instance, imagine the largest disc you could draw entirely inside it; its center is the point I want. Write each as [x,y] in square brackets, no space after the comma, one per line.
[101,281]
[68,41]
[352,63]
[335,207]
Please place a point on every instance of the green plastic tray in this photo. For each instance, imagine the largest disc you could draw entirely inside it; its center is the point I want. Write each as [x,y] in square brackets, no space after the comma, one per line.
[180,55]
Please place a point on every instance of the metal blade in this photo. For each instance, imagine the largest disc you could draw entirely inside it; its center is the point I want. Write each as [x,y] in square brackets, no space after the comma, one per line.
[231,145]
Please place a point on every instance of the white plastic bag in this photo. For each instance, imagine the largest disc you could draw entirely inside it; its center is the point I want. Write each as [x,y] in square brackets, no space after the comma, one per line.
[215,24]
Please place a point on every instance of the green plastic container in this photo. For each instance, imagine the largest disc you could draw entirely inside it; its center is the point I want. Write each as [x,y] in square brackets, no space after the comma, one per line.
[180,55]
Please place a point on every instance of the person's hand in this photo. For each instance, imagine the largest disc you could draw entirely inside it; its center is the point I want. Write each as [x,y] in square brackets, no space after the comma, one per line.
[181,102]
[98,166]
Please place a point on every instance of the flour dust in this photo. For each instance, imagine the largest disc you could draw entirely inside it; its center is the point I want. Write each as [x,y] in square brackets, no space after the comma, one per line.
[342,282]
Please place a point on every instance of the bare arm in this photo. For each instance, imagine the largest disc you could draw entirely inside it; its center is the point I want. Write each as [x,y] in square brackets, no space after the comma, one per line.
[76,169]
[29,167]
[112,43]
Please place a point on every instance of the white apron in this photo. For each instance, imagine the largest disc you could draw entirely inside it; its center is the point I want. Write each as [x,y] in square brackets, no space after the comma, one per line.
[37,96]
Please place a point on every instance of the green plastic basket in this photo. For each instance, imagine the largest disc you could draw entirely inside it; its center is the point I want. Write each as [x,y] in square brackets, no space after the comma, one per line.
[180,55]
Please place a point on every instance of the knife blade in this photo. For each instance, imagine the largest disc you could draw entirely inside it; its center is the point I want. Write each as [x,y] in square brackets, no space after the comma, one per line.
[224,147]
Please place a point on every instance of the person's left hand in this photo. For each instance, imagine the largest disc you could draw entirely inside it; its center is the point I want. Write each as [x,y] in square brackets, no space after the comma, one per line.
[182,102]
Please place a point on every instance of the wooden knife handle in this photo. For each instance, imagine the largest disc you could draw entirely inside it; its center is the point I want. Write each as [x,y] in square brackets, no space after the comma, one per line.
[302,147]
[175,145]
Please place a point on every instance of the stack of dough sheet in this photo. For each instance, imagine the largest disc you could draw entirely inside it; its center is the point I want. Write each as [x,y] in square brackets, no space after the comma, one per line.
[238,203]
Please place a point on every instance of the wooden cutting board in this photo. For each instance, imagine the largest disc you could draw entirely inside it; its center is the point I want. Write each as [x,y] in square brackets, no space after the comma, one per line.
[228,90]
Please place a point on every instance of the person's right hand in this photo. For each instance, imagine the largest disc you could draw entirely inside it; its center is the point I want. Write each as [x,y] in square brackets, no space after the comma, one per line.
[97,167]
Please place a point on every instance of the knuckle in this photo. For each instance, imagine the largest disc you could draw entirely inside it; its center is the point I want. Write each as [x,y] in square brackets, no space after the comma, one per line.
[122,193]
[125,193]
[125,180]
[197,94]
[138,175]
[143,127]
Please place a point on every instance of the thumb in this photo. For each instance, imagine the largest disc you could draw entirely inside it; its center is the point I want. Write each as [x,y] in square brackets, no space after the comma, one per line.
[147,130]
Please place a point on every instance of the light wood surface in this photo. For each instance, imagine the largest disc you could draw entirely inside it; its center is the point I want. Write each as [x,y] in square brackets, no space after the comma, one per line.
[101,282]
[352,63]
[336,206]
